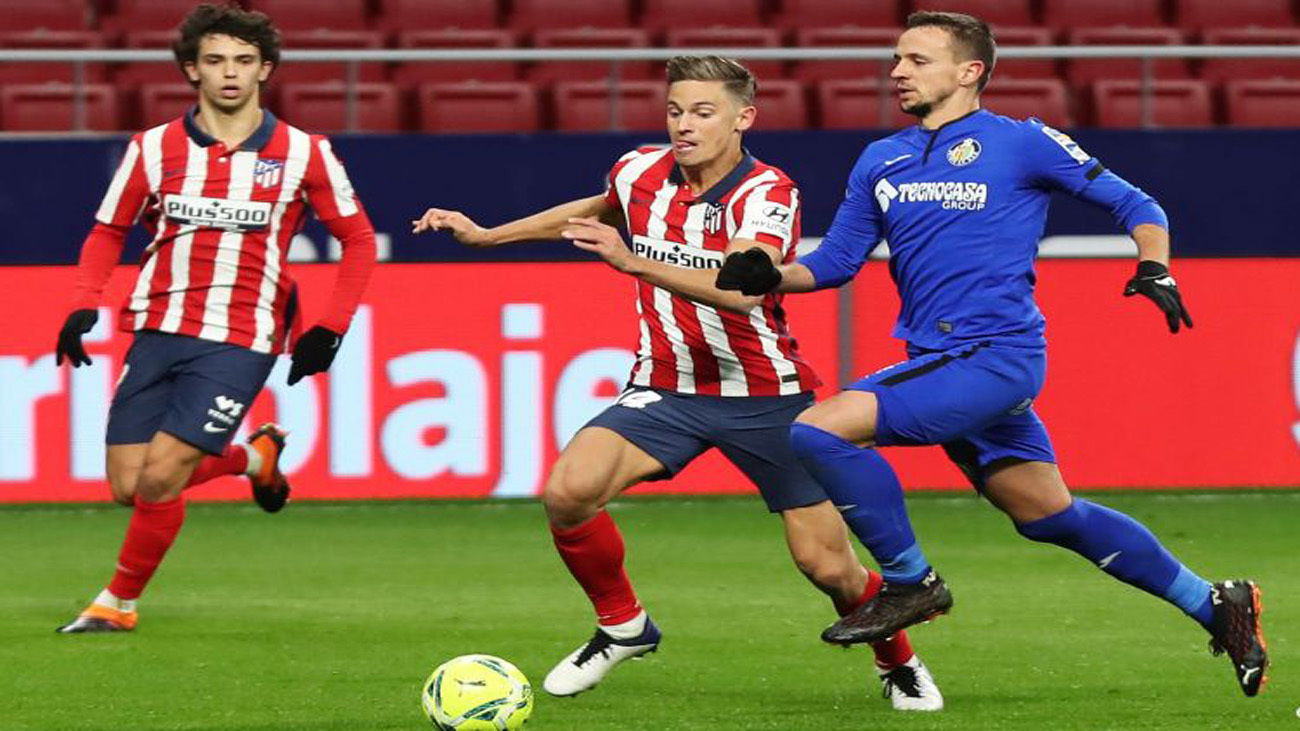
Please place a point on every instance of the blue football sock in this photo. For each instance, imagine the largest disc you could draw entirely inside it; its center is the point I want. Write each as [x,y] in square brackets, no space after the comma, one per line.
[1125,549]
[867,492]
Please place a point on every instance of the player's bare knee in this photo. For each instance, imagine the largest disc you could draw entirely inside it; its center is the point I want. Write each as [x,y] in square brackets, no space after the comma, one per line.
[160,480]
[571,496]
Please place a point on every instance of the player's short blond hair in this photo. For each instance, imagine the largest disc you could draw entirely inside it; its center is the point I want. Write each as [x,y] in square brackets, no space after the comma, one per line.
[738,80]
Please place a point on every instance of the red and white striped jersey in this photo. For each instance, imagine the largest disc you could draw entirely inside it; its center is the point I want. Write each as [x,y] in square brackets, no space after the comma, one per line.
[691,347]
[221,221]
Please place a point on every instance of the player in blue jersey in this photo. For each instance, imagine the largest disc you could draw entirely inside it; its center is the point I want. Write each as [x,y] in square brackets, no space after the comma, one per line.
[962,200]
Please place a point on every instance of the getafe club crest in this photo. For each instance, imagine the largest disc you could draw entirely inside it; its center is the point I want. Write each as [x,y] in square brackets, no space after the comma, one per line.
[267,173]
[964,152]
[713,218]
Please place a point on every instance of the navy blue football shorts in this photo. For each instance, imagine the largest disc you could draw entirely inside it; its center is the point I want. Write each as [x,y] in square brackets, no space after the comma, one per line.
[975,400]
[752,432]
[196,390]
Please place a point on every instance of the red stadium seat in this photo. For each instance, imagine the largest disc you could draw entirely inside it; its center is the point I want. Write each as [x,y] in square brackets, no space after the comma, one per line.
[429,72]
[1024,68]
[1183,103]
[413,15]
[993,12]
[1230,69]
[549,72]
[132,75]
[133,16]
[729,37]
[1207,14]
[309,14]
[51,108]
[1082,71]
[781,106]
[1064,15]
[323,107]
[28,15]
[1024,98]
[663,15]
[797,15]
[859,104]
[584,106]
[532,15]
[35,73]
[161,103]
[842,37]
[478,107]
[312,72]
[1271,103]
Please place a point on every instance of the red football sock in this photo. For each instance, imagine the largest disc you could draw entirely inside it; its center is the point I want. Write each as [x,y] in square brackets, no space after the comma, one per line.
[892,652]
[593,552]
[151,532]
[233,461]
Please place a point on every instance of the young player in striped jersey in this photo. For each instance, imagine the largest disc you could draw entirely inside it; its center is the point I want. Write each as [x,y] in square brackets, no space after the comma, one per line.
[222,190]
[712,369]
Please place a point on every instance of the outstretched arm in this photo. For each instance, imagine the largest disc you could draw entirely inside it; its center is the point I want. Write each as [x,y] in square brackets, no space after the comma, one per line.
[548,225]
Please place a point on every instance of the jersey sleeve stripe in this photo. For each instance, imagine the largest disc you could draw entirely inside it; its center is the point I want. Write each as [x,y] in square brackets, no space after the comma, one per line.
[345,200]
[129,168]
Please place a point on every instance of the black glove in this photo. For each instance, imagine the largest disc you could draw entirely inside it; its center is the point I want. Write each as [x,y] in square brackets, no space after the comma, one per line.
[313,353]
[1154,282]
[752,272]
[78,323]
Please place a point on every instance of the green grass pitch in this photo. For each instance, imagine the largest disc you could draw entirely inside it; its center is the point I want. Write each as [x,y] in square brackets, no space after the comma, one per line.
[329,616]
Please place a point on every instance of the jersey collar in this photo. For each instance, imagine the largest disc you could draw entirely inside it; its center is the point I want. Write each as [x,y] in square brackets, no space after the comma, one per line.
[722,187]
[255,141]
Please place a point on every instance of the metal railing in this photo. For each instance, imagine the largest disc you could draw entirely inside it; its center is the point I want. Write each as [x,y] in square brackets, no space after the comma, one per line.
[618,56]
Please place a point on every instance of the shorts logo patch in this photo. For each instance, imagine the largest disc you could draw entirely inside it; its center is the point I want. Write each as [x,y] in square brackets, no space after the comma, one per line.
[227,412]
[637,399]
[1021,407]
[964,152]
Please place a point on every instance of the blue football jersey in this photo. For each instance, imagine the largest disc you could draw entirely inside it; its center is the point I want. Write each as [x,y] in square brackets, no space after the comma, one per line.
[963,208]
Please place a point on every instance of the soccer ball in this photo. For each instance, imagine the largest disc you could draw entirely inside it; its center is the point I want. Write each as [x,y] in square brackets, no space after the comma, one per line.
[477,693]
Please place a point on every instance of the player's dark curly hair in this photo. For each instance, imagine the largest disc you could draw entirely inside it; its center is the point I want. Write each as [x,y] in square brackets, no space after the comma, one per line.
[734,76]
[227,19]
[972,37]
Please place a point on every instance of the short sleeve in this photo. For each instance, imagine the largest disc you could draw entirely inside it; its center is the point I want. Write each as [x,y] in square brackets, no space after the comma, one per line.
[1056,161]
[128,190]
[769,214]
[326,184]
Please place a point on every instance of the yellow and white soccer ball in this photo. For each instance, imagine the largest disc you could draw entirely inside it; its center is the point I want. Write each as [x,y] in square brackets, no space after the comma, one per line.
[477,693]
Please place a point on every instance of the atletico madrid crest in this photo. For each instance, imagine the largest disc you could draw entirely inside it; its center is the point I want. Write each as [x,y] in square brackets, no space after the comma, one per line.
[713,218]
[267,173]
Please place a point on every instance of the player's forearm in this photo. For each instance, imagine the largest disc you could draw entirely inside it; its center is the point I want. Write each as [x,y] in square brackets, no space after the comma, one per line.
[694,284]
[796,277]
[1152,242]
[99,254]
[548,224]
[357,238]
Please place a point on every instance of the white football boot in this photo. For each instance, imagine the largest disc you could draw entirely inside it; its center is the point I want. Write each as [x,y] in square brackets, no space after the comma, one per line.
[910,687]
[589,664]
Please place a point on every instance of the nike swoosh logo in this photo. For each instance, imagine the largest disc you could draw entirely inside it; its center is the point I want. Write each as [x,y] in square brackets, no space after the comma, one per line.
[211,428]
[900,157]
[846,508]
[1106,561]
[1245,676]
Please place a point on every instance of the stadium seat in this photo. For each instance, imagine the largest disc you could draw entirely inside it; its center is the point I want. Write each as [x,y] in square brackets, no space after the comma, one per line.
[549,72]
[810,71]
[320,38]
[1183,103]
[133,16]
[478,107]
[29,15]
[728,37]
[1081,71]
[1024,98]
[584,106]
[532,15]
[781,106]
[411,74]
[859,104]
[51,107]
[160,103]
[397,16]
[310,14]
[1065,15]
[323,107]
[35,73]
[133,75]
[993,12]
[664,15]
[1230,69]
[1263,103]
[1207,14]
[796,15]
[1024,68]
